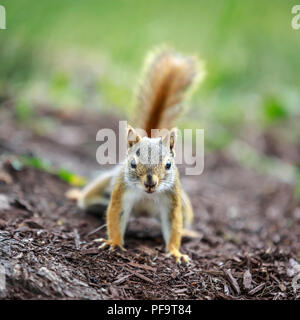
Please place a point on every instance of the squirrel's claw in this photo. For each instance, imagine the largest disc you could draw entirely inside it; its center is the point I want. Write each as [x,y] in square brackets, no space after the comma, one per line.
[109,243]
[179,257]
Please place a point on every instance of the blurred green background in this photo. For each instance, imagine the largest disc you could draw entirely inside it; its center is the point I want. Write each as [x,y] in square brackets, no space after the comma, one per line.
[88,54]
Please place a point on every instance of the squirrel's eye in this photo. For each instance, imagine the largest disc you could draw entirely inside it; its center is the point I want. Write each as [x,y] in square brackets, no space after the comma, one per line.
[133,164]
[168,165]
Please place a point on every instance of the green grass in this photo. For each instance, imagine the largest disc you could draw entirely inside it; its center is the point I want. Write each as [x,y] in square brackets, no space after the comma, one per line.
[251,54]
[44,165]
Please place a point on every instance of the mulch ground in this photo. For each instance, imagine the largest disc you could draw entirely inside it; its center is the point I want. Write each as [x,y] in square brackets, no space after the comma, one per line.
[249,227]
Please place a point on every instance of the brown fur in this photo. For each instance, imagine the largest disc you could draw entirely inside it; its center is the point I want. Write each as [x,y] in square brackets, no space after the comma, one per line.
[176,219]
[167,78]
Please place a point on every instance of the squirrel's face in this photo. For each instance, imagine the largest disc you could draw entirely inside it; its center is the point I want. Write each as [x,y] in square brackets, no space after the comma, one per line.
[150,164]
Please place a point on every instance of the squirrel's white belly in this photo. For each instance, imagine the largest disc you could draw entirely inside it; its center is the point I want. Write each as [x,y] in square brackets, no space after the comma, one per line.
[139,203]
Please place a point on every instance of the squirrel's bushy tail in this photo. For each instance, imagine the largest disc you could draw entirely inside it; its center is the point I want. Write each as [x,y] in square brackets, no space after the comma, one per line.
[167,77]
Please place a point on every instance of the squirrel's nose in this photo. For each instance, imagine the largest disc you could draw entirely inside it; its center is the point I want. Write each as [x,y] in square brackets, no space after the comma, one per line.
[150,181]
[150,185]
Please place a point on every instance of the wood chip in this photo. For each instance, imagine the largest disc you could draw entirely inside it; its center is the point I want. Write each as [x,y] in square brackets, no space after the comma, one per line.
[233,281]
[33,224]
[282,287]
[76,239]
[180,290]
[256,289]
[247,280]
[90,251]
[142,266]
[122,279]
[137,274]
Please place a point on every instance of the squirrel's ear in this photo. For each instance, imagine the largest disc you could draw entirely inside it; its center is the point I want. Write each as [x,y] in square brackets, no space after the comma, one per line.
[132,137]
[169,140]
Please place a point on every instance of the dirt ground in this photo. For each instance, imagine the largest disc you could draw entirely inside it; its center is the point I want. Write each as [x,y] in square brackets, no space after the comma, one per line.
[249,227]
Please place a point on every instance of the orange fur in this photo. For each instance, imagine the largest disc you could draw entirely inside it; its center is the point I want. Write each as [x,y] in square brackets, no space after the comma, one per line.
[176,224]
[113,215]
[167,77]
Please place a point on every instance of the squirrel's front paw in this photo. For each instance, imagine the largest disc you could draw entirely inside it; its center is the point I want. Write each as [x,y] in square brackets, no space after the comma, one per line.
[179,256]
[109,243]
